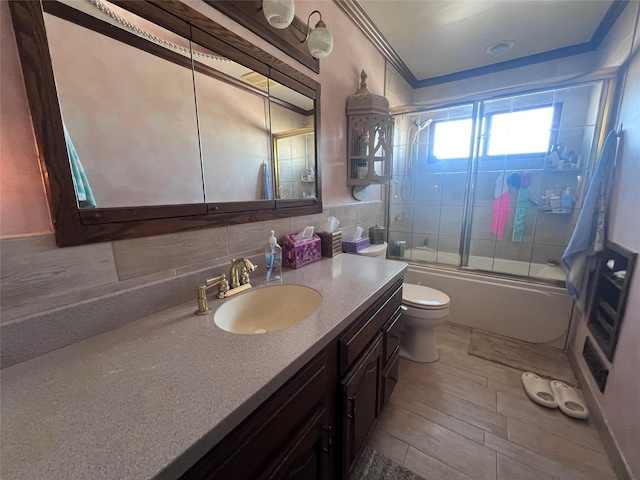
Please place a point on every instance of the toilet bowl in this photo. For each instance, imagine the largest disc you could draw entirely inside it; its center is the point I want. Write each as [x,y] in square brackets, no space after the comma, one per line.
[423,309]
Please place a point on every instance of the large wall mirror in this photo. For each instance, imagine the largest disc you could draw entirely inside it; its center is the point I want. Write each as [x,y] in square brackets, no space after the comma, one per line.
[151,118]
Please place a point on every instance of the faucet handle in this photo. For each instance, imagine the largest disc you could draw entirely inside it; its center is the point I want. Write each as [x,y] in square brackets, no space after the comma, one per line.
[215,280]
[223,286]
[244,276]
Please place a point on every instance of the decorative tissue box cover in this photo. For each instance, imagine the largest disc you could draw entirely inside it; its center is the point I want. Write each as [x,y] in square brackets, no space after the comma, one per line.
[331,243]
[299,254]
[352,246]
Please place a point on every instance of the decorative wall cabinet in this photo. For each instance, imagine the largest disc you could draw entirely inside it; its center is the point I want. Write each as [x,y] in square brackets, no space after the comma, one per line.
[370,137]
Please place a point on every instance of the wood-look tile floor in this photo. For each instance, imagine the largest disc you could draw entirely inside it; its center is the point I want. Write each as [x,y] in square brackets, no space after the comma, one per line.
[464,417]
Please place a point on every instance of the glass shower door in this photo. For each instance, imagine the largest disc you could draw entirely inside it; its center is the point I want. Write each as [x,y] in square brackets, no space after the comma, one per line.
[496,185]
[431,163]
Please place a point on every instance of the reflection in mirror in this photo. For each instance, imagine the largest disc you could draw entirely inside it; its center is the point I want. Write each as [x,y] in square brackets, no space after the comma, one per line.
[129,113]
[293,150]
[292,127]
[233,115]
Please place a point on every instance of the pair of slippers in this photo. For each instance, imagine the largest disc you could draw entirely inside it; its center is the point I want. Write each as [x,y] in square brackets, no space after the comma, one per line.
[554,394]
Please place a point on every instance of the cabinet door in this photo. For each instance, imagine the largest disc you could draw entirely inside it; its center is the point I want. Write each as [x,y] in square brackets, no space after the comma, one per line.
[273,432]
[307,456]
[361,402]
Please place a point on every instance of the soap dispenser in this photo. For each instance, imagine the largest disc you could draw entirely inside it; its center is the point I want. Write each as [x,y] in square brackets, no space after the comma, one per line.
[273,257]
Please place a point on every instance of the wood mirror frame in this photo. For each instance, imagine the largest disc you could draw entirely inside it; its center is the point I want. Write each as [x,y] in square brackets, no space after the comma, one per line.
[74,226]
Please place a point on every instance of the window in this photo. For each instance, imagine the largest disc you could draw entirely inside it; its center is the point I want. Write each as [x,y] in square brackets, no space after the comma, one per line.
[520,132]
[451,139]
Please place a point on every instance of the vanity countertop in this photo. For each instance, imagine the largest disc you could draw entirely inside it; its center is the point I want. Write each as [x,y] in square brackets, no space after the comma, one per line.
[148,399]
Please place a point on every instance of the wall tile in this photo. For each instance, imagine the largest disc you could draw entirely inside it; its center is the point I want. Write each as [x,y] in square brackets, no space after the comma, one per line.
[454,188]
[249,237]
[34,268]
[370,212]
[402,190]
[428,189]
[401,218]
[426,219]
[450,220]
[542,253]
[318,220]
[142,256]
[345,213]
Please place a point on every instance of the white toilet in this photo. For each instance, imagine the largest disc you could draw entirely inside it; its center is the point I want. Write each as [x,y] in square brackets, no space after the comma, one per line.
[424,309]
[379,250]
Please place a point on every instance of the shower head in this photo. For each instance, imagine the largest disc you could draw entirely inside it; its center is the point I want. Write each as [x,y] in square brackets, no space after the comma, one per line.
[418,128]
[424,124]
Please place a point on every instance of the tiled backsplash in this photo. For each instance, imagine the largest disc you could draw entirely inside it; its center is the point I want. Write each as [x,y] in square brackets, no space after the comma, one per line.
[52,296]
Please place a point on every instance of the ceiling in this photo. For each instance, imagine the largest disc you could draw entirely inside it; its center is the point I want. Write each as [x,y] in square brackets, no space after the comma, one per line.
[434,41]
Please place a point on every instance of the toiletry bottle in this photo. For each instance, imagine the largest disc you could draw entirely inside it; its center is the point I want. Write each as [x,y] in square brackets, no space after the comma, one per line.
[566,201]
[273,257]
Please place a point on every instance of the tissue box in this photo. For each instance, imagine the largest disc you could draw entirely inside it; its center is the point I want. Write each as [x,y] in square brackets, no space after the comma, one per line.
[331,243]
[299,254]
[353,246]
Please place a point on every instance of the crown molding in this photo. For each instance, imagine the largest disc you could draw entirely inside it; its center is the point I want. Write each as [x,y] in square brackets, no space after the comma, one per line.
[358,16]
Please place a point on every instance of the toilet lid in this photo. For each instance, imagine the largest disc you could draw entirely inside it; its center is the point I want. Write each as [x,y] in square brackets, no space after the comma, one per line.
[424,297]
[374,250]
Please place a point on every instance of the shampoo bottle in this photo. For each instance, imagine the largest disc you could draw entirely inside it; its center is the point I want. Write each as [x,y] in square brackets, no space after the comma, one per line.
[273,257]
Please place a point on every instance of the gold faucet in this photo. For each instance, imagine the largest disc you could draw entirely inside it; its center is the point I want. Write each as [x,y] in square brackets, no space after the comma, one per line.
[239,283]
[223,288]
[241,280]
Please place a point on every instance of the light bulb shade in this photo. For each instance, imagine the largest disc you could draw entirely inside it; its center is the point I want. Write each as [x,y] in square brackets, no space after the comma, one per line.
[320,42]
[279,13]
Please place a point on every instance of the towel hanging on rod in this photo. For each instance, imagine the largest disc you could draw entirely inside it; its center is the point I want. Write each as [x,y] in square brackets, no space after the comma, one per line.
[587,240]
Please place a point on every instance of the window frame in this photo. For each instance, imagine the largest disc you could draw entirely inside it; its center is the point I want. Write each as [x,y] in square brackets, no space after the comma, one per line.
[486,121]
[553,137]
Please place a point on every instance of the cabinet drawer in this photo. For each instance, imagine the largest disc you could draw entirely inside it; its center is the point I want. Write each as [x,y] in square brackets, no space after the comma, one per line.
[391,336]
[355,341]
[390,376]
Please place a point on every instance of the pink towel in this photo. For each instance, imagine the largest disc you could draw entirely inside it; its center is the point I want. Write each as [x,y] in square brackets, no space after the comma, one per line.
[500,215]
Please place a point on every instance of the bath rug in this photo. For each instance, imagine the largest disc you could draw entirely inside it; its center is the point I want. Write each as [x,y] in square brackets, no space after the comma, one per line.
[569,400]
[375,466]
[539,390]
[545,361]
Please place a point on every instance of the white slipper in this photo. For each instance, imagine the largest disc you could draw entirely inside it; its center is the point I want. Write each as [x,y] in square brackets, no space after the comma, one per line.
[569,400]
[539,390]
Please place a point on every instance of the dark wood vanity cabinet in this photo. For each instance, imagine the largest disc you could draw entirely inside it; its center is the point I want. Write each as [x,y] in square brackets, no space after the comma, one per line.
[316,424]
[288,436]
[367,349]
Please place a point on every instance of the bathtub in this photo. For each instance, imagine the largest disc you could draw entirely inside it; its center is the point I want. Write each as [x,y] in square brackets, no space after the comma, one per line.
[489,264]
[522,310]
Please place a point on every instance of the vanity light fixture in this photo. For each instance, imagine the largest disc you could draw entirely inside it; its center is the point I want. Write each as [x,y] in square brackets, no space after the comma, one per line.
[319,40]
[279,13]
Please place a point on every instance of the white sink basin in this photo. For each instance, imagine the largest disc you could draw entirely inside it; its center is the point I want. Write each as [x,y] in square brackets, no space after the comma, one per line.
[267,309]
